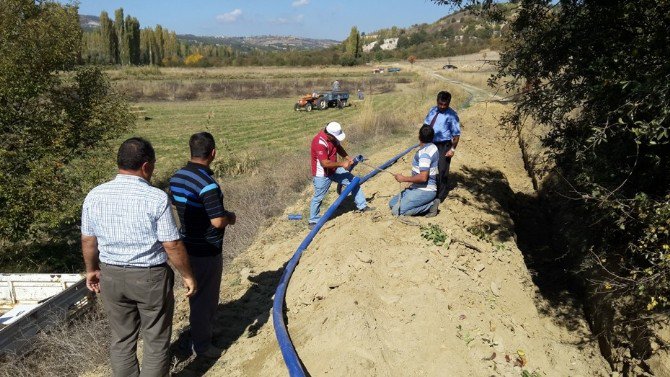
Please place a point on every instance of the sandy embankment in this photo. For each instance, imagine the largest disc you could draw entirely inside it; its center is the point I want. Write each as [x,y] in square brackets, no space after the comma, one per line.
[371,297]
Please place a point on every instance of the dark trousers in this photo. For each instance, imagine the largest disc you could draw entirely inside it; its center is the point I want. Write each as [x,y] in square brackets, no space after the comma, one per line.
[136,298]
[207,272]
[443,170]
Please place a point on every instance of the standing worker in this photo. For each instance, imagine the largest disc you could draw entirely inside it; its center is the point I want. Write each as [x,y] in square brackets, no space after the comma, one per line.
[203,218]
[444,121]
[419,198]
[326,169]
[127,236]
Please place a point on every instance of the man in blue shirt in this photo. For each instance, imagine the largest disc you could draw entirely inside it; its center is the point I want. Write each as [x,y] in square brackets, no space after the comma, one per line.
[419,198]
[203,220]
[447,127]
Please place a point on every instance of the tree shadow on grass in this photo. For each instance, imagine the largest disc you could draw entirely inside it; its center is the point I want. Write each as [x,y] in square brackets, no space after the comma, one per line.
[531,227]
[234,319]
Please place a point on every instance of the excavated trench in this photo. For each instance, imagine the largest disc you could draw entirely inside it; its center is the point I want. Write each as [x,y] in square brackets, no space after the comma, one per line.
[539,236]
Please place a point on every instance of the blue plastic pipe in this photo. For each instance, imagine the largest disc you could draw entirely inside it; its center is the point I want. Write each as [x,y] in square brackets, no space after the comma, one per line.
[288,351]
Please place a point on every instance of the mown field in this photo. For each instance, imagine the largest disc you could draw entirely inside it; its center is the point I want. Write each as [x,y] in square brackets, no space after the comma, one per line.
[269,128]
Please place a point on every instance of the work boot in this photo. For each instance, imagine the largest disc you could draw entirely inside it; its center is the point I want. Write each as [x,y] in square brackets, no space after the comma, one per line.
[365,209]
[432,212]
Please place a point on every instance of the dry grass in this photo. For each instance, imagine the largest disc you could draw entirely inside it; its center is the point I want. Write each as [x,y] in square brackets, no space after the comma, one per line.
[239,72]
[68,350]
[187,90]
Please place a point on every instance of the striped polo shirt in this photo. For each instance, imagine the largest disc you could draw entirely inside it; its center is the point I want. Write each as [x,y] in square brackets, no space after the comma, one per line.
[425,159]
[198,198]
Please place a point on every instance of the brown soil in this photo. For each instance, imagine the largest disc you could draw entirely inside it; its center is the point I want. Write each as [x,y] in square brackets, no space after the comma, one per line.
[372,297]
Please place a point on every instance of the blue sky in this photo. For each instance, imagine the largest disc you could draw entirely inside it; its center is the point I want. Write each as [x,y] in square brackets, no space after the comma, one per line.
[304,18]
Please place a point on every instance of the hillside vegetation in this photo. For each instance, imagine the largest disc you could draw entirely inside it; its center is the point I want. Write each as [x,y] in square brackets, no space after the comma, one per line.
[120,40]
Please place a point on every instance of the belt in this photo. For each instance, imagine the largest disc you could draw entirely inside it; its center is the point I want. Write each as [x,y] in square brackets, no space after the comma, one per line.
[129,266]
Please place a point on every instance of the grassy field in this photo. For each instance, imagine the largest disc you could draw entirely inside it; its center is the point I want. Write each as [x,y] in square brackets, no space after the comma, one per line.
[269,127]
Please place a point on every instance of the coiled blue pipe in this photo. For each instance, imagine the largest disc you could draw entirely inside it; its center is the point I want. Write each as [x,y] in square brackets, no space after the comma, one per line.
[288,351]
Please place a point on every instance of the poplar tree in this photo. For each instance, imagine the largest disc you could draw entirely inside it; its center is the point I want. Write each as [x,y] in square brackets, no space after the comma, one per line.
[132,38]
[119,27]
[353,45]
[108,39]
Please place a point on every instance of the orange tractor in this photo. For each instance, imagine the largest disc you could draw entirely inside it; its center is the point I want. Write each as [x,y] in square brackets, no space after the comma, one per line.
[323,100]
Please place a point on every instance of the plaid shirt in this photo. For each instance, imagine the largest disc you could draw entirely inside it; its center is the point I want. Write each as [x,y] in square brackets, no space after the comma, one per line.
[130,219]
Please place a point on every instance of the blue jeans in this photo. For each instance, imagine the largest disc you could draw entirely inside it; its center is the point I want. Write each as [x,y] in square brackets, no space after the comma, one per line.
[321,186]
[413,202]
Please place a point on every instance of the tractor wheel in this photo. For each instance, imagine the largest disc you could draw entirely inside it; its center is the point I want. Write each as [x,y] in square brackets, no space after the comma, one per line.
[308,107]
[296,107]
[323,104]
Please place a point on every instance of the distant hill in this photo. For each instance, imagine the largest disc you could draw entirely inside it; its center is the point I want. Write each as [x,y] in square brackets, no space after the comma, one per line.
[264,42]
[461,28]
[89,23]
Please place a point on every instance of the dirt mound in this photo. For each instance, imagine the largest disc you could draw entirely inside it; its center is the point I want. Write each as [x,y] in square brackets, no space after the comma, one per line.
[372,296]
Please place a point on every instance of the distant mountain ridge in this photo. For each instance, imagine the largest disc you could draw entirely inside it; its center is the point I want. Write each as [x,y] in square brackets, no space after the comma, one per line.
[266,42]
[263,42]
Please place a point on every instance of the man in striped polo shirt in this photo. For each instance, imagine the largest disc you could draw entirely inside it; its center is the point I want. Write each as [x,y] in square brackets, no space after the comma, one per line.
[203,219]
[127,236]
[419,198]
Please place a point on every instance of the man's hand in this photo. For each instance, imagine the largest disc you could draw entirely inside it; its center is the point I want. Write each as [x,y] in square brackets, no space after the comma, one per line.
[176,253]
[89,249]
[347,163]
[93,281]
[399,177]
[450,152]
[232,218]
[190,285]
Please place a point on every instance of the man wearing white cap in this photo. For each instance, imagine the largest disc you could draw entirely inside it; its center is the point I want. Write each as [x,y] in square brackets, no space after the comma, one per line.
[326,169]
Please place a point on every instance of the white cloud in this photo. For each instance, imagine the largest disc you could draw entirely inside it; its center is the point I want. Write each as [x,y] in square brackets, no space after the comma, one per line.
[230,16]
[297,19]
[299,3]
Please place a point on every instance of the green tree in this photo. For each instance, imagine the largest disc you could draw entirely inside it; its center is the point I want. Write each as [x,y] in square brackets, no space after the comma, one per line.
[122,56]
[353,45]
[110,43]
[132,28]
[52,119]
[403,42]
[604,92]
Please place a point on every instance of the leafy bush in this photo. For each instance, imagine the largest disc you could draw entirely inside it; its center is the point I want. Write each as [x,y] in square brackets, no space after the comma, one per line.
[52,118]
[604,94]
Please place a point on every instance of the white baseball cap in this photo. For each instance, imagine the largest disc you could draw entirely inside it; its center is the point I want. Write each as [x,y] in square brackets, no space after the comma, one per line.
[335,129]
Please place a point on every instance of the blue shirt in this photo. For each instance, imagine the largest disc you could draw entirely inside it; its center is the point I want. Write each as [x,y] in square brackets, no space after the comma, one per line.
[130,219]
[446,125]
[425,159]
[198,199]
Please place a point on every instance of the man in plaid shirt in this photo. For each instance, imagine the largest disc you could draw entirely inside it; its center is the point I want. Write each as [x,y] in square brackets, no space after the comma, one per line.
[127,236]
